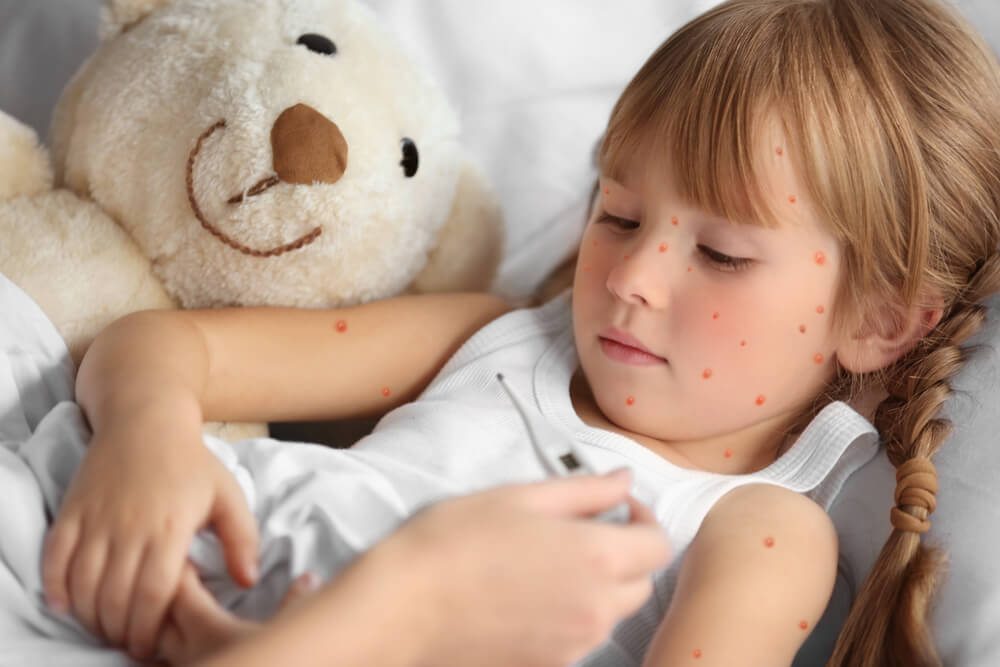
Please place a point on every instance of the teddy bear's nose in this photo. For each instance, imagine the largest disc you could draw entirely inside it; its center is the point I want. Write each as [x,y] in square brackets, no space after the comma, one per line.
[308,147]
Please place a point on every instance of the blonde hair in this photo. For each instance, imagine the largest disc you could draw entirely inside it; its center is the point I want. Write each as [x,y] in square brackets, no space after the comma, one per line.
[892,113]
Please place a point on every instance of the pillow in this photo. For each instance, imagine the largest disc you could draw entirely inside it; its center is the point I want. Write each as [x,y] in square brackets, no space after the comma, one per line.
[534,83]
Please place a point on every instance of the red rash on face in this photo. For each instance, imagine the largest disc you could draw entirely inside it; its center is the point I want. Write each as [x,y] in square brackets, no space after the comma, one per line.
[341,326]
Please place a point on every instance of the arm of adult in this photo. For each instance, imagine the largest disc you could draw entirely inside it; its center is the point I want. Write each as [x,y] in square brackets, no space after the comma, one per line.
[753,583]
[519,575]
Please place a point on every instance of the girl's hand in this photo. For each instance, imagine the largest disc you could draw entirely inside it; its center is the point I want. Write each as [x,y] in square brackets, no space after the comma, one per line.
[521,576]
[116,550]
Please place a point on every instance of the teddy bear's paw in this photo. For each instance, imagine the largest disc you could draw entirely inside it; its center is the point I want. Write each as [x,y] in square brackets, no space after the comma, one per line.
[24,163]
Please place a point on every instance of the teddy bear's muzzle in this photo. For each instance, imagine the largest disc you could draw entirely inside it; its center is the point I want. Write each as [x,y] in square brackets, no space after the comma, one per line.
[308,147]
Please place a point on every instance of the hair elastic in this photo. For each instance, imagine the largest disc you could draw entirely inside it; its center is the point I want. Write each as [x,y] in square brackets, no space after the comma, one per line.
[916,486]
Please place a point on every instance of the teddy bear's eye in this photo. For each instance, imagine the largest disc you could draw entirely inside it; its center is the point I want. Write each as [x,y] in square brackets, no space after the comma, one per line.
[411,158]
[318,43]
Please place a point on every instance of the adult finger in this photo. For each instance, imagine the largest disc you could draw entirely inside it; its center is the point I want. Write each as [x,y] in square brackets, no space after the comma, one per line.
[582,496]
[236,527]
[154,588]
[116,588]
[60,545]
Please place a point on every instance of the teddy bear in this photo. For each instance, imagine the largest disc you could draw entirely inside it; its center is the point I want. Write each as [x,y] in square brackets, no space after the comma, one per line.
[241,152]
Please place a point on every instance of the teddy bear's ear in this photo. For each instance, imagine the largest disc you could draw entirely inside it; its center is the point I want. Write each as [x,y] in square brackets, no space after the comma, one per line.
[117,16]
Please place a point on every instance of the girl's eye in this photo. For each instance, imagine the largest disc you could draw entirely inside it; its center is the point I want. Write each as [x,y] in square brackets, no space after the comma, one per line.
[724,262]
[623,224]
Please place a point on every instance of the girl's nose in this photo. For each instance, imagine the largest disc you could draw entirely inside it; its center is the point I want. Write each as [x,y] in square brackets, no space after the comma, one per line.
[640,278]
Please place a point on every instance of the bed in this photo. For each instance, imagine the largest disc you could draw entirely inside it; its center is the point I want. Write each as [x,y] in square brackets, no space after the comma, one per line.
[531,116]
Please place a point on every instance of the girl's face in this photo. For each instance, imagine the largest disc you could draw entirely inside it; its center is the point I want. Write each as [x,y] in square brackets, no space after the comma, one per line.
[734,320]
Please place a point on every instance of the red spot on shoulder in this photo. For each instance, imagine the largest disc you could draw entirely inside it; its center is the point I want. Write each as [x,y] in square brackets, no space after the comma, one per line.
[341,326]
[779,150]
[715,316]
[663,247]
[802,328]
[820,310]
[728,454]
[761,399]
[820,257]
[630,400]
[386,392]
[768,542]
[792,199]
[818,358]
[696,653]
[804,625]
[707,373]
[674,221]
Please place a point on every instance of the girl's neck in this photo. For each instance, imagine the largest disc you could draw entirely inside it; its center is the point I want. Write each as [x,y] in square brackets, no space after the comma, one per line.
[732,454]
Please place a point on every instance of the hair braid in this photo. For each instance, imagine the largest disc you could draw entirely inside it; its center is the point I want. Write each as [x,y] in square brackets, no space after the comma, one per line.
[905,572]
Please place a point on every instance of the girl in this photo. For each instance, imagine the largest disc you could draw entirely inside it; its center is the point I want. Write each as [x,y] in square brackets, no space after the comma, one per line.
[799,205]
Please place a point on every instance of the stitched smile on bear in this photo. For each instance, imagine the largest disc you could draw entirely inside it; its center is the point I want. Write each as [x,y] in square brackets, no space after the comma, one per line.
[308,148]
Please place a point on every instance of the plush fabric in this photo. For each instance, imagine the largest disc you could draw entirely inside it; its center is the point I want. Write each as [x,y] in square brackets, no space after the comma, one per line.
[533,83]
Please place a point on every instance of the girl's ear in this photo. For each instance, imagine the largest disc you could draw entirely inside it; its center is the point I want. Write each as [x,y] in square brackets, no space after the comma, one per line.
[890,332]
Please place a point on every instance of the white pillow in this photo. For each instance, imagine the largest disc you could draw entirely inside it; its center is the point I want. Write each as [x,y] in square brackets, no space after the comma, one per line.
[534,82]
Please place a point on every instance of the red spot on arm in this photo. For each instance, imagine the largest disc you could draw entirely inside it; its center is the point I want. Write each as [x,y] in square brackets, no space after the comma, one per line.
[820,257]
[341,326]
[802,328]
[768,542]
[630,400]
[820,310]
[715,316]
[707,373]
[386,392]
[804,625]
[818,358]
[696,653]
[663,247]
[728,454]
[779,150]
[792,199]
[761,399]
[674,221]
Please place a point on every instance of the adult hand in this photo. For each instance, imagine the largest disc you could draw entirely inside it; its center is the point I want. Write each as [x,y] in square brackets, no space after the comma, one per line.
[519,575]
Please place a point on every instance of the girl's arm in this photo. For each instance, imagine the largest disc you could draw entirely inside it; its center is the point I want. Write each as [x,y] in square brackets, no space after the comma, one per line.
[279,364]
[115,552]
[753,583]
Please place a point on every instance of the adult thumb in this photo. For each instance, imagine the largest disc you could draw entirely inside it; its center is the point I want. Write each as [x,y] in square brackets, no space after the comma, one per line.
[580,496]
[236,527]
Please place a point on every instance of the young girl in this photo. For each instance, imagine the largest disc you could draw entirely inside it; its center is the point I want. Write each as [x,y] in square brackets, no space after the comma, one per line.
[799,205]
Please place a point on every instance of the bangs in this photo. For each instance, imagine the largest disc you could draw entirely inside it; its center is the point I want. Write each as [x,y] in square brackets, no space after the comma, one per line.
[707,102]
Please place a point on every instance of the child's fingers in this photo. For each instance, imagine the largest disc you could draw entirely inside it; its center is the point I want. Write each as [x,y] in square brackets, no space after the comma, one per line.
[155,586]
[579,496]
[639,512]
[171,646]
[116,588]
[84,578]
[236,527]
[633,594]
[60,544]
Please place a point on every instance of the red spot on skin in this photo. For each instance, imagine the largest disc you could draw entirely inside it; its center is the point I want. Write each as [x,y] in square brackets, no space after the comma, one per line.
[779,150]
[728,454]
[607,192]
[674,221]
[761,399]
[595,244]
[630,400]
[341,326]
[818,358]
[663,247]
[802,328]
[707,373]
[804,625]
[586,267]
[820,310]
[715,316]
[689,269]
[386,392]
[768,542]
[743,343]
[792,199]
[627,256]
[696,653]
[820,257]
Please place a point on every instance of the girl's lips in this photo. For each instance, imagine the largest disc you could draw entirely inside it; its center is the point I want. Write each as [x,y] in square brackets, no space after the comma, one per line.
[627,354]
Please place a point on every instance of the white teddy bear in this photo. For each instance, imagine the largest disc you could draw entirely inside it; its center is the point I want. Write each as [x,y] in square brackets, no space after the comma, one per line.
[241,152]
